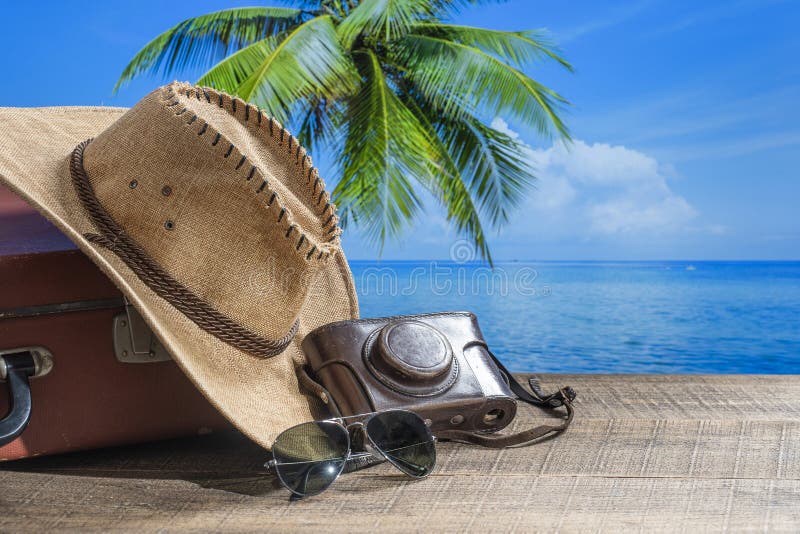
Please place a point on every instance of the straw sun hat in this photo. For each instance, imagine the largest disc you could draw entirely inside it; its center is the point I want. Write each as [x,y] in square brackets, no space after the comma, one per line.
[211,219]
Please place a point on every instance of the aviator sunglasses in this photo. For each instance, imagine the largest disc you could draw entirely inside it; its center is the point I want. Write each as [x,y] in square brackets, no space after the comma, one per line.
[309,457]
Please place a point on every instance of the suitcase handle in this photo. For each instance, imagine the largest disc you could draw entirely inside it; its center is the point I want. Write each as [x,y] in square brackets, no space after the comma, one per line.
[16,368]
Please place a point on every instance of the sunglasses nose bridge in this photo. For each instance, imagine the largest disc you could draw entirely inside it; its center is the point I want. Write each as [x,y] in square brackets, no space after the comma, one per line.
[358,435]
[355,426]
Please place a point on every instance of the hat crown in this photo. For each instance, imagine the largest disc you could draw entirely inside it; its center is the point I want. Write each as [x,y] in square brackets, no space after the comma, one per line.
[220,197]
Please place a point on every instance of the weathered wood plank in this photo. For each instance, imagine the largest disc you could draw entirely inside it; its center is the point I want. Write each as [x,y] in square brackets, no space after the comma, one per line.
[704,397]
[645,453]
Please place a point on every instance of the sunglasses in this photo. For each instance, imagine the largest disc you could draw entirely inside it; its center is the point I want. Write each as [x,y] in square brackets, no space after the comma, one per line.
[309,457]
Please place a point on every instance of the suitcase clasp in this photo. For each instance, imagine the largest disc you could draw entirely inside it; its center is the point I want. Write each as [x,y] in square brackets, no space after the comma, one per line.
[134,342]
[42,360]
[16,367]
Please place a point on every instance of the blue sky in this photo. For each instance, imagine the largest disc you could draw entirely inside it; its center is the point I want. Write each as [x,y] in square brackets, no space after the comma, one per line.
[685,114]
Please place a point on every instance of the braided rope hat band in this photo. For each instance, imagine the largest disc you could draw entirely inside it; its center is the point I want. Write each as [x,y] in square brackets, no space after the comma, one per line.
[212,220]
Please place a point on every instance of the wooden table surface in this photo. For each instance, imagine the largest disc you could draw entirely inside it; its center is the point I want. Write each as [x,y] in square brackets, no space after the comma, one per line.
[645,453]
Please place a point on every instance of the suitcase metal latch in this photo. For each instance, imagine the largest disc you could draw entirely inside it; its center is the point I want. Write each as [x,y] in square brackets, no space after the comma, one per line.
[17,367]
[41,357]
[134,342]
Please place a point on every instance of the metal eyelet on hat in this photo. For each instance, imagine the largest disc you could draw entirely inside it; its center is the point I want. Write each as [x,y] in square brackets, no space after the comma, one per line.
[169,224]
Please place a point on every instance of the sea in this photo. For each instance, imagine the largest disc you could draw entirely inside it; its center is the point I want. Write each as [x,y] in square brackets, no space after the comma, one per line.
[607,317]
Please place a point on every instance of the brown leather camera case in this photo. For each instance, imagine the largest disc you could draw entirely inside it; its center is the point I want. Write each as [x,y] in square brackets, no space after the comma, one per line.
[435,364]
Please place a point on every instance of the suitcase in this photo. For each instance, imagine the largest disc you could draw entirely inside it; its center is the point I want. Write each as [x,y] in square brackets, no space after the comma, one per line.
[79,368]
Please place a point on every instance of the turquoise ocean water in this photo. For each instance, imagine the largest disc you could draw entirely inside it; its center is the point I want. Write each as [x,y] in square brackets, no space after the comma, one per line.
[608,317]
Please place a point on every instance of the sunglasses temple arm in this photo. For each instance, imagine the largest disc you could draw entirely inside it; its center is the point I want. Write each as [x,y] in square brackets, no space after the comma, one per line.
[362,460]
[356,462]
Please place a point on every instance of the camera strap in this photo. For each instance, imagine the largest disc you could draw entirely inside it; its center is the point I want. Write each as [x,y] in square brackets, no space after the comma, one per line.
[536,397]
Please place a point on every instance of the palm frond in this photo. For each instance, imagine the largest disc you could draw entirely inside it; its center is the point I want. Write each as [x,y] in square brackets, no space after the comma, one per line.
[385,150]
[453,76]
[399,96]
[279,71]
[201,41]
[384,20]
[491,163]
[317,122]
[449,188]
[518,48]
[453,7]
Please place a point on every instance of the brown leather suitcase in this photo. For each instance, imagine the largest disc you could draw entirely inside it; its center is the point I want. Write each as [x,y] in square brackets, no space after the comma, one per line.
[101,378]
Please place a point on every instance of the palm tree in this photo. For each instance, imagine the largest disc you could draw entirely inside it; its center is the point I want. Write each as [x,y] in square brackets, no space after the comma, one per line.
[402,97]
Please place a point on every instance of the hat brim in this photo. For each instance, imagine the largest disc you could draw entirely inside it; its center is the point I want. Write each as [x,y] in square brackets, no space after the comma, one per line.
[261,397]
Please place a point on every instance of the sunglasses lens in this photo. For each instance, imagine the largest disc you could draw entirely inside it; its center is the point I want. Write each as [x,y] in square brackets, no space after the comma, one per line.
[309,457]
[405,440]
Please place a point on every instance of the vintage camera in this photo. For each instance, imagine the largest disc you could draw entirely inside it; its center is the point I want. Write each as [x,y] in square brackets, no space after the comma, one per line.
[436,365]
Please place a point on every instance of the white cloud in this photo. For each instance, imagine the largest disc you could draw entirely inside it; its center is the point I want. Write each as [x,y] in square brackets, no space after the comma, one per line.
[629,216]
[591,201]
[599,190]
